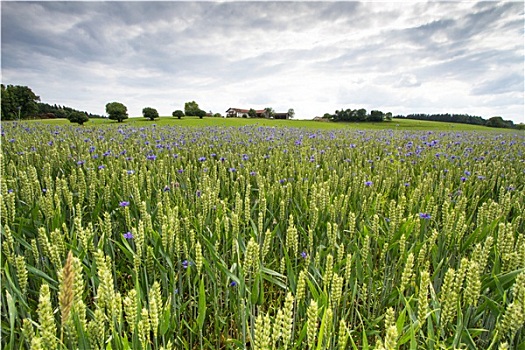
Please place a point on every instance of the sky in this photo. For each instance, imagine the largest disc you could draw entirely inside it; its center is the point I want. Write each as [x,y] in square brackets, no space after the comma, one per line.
[314,57]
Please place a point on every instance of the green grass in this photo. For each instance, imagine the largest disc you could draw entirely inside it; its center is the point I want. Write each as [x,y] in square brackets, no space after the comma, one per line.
[396,124]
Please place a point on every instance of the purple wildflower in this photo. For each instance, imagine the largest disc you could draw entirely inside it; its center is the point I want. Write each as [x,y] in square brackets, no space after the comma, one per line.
[463,179]
[202,159]
[233,284]
[100,167]
[151,157]
[123,204]
[368,183]
[81,162]
[425,216]
[304,255]
[128,235]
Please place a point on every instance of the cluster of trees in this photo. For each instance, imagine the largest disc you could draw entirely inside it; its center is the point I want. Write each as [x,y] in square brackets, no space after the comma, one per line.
[358,115]
[192,109]
[46,110]
[496,122]
[20,102]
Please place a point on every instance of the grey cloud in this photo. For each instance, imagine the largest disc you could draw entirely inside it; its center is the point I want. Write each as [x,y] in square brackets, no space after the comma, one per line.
[196,48]
[501,85]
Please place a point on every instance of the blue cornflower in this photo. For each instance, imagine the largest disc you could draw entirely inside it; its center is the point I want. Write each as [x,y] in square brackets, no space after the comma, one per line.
[151,157]
[180,171]
[130,172]
[253,173]
[368,183]
[123,204]
[100,167]
[304,255]
[467,172]
[481,177]
[425,216]
[233,284]
[245,157]
[166,188]
[233,170]
[128,235]
[185,264]
[81,162]
[202,159]
[463,179]
[407,184]
[198,193]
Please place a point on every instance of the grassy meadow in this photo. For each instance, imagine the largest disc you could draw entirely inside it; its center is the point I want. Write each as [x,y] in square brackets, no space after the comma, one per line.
[261,234]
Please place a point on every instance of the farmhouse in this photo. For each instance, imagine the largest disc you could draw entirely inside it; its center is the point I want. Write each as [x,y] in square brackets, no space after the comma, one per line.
[260,113]
[239,112]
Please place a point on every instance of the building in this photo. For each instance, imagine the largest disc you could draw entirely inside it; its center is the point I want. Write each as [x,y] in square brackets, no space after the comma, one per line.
[239,112]
[260,113]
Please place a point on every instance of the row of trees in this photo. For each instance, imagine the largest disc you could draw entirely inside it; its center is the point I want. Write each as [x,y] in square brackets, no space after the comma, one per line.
[496,122]
[358,115]
[119,112]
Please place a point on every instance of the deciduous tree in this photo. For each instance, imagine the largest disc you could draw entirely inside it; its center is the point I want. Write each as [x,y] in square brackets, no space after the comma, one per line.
[78,117]
[150,113]
[117,111]
[191,108]
[178,113]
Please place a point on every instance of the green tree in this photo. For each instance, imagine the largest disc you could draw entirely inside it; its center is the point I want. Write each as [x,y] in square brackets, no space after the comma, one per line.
[217,115]
[18,102]
[269,112]
[200,113]
[192,108]
[375,116]
[178,113]
[252,113]
[498,122]
[388,116]
[291,113]
[150,113]
[361,114]
[117,111]
[78,117]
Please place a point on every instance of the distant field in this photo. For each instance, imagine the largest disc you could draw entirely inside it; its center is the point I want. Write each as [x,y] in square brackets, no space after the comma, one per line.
[310,124]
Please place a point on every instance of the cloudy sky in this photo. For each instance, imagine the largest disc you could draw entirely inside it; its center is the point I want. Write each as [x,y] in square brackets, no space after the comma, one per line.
[315,57]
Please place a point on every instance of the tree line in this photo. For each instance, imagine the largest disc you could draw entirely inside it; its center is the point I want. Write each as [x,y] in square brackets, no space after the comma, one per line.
[495,122]
[20,102]
[358,115]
